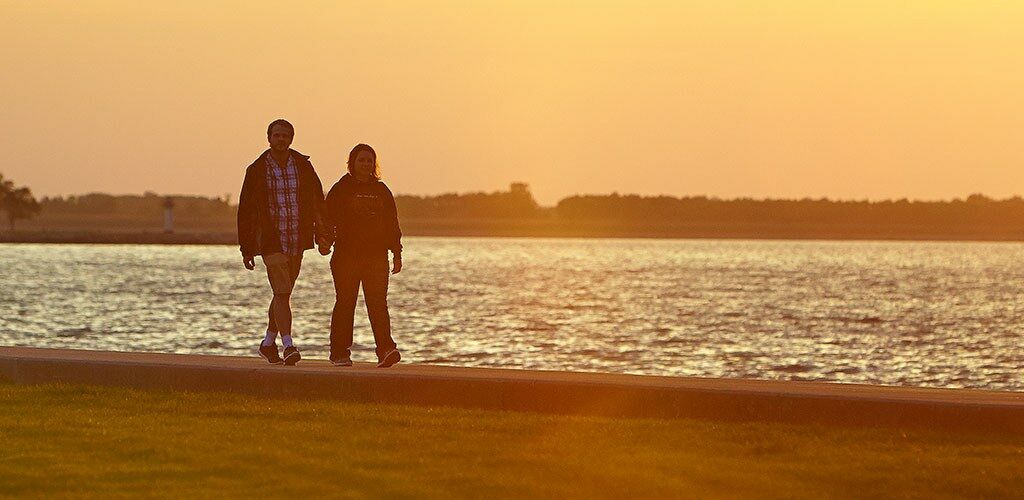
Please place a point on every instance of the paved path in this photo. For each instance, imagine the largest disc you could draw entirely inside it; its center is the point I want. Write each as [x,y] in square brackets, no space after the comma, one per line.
[523,390]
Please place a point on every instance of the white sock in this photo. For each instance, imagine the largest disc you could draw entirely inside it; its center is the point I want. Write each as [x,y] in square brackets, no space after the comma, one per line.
[286,340]
[270,338]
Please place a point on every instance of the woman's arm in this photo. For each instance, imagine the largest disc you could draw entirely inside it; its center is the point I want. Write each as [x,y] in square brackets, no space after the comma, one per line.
[394,231]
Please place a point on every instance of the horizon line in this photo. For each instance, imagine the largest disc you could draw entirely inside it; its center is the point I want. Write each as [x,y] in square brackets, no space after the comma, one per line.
[233,197]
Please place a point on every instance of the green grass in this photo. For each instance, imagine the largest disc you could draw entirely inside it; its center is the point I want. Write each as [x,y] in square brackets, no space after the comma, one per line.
[76,440]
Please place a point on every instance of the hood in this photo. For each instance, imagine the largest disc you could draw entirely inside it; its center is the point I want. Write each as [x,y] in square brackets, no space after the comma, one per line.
[351,179]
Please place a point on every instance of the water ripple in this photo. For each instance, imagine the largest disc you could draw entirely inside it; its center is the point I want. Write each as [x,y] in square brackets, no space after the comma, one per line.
[927,314]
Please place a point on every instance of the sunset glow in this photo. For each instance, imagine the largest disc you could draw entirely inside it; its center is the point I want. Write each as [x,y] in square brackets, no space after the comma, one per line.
[781,99]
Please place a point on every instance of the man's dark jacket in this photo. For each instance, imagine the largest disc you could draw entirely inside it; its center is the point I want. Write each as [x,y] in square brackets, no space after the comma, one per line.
[257,233]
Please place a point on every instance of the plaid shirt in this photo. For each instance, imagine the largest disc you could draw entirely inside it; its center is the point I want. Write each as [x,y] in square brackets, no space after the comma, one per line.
[283,191]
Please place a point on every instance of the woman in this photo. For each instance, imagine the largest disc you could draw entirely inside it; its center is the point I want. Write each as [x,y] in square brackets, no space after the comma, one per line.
[360,212]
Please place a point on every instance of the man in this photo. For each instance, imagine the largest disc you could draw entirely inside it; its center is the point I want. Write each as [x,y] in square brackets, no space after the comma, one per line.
[278,219]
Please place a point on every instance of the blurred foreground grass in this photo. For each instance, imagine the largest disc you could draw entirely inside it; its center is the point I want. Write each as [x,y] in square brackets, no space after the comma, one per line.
[78,440]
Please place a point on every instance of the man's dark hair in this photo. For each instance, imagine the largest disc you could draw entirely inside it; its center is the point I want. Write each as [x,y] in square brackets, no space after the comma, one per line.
[280,121]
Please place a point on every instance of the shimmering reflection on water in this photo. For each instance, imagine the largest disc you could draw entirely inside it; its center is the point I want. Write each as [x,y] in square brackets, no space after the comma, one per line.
[928,314]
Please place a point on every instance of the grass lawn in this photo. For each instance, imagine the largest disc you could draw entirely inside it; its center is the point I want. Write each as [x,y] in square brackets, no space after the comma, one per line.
[77,440]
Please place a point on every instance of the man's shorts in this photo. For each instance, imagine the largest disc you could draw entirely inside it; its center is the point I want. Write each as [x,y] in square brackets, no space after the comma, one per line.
[282,271]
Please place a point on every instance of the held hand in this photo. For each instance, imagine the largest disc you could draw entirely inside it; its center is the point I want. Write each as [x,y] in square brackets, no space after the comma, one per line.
[398,264]
[249,262]
[324,244]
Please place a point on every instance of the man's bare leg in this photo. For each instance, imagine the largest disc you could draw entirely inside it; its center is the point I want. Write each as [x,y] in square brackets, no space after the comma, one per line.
[271,323]
[281,313]
[268,347]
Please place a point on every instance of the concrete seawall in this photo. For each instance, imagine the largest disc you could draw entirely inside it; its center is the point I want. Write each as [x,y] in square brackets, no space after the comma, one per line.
[534,391]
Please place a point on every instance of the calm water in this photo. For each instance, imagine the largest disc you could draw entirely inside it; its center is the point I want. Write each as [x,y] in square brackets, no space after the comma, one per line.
[928,314]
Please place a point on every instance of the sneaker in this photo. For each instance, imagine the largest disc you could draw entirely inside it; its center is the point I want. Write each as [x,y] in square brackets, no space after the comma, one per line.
[269,353]
[291,355]
[392,357]
[341,361]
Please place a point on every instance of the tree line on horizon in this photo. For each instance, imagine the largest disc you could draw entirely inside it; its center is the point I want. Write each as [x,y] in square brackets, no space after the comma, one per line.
[975,209]
[519,203]
[16,202]
[148,204]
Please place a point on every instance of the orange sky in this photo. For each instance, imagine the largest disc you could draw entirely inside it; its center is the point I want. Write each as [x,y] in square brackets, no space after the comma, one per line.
[729,98]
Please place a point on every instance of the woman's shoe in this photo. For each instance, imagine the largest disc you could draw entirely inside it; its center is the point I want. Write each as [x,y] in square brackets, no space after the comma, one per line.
[392,357]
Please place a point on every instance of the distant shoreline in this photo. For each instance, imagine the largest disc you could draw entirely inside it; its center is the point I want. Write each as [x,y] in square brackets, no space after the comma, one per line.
[128,219]
[532,229]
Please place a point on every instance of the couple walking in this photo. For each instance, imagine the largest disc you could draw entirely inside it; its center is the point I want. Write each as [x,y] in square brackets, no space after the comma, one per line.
[282,213]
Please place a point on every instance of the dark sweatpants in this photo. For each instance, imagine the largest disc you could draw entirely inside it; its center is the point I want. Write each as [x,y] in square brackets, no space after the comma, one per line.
[373,272]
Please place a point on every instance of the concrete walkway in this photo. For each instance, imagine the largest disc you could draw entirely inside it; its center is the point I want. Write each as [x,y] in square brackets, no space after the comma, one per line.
[538,391]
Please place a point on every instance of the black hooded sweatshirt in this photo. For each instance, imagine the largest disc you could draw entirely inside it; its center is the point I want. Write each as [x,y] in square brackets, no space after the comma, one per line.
[362,217]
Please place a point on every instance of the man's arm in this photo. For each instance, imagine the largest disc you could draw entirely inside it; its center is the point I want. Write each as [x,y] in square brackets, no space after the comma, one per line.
[321,233]
[247,243]
[329,219]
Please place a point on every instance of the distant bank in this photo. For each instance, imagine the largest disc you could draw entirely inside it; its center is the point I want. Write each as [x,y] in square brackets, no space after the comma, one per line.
[115,234]
[104,218]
